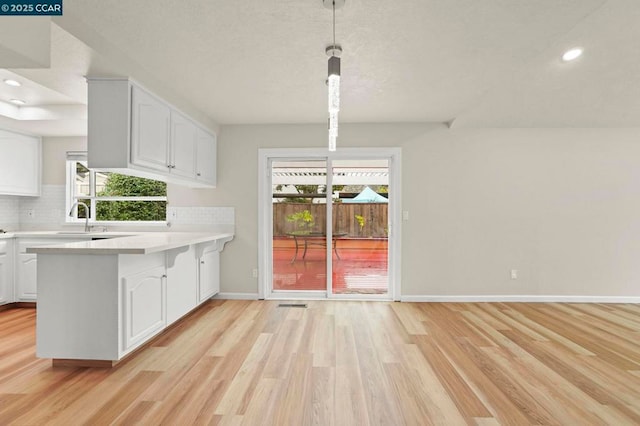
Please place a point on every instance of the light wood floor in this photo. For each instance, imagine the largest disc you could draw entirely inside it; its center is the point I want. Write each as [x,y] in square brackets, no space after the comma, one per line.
[343,363]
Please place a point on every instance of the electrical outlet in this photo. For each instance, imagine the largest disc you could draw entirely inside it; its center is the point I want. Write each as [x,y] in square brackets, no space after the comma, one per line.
[514,274]
[254,273]
[405,215]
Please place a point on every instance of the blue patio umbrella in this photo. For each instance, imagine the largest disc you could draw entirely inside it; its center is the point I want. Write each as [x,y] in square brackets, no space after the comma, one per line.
[367,195]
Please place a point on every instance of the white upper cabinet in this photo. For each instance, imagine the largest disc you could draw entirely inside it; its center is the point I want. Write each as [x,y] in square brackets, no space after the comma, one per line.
[20,164]
[184,135]
[131,131]
[207,157]
[149,130]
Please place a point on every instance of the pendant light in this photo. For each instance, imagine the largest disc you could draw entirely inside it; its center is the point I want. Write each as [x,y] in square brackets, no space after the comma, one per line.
[333,79]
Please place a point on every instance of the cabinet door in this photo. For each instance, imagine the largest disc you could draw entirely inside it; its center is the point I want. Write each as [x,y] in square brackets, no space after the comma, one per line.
[26,288]
[206,160]
[182,283]
[6,268]
[149,131]
[144,305]
[19,164]
[184,140]
[209,274]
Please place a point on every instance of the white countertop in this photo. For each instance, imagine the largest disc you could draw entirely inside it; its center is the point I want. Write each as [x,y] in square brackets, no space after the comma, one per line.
[66,234]
[129,242]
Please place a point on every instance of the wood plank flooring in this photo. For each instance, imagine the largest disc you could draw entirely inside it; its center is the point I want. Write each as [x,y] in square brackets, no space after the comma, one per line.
[346,363]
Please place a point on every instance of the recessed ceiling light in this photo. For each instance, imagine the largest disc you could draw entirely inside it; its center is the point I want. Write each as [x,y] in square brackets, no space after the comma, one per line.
[12,82]
[572,54]
[17,101]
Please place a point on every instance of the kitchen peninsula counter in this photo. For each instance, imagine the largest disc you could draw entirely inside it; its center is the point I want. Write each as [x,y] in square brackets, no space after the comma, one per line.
[100,300]
[131,243]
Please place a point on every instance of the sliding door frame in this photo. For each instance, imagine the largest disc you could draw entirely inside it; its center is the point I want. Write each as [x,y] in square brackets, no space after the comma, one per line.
[265,214]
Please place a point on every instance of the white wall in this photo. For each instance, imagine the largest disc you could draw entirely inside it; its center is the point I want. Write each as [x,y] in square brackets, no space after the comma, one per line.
[54,155]
[560,206]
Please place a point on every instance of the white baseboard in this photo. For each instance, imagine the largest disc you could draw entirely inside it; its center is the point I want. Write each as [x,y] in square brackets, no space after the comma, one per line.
[236,296]
[461,299]
[523,298]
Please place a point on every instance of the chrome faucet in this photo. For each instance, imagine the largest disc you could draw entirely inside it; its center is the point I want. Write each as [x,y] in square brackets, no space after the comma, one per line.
[86,213]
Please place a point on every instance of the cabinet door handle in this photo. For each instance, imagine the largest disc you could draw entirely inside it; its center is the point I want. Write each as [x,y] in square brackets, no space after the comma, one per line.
[198,174]
[202,262]
[173,166]
[164,276]
[168,166]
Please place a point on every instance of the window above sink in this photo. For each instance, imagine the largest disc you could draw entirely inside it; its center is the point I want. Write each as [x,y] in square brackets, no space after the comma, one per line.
[112,197]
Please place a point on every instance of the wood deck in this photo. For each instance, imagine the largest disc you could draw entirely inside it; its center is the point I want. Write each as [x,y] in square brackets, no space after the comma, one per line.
[360,266]
[346,363]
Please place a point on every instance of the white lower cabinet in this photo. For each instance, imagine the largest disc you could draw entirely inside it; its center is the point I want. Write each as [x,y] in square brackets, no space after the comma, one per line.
[6,271]
[208,272]
[193,276]
[26,274]
[144,305]
[104,306]
[182,282]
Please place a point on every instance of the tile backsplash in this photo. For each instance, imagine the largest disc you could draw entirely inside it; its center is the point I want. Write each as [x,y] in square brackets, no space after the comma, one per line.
[9,212]
[47,209]
[48,212]
[201,215]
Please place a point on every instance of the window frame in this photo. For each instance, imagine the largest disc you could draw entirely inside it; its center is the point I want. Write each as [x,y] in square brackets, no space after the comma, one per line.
[72,197]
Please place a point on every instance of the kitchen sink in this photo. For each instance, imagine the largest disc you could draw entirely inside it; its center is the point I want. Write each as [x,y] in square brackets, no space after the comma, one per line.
[74,232]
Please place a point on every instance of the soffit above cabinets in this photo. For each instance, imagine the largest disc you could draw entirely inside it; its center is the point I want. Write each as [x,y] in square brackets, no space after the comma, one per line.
[55,95]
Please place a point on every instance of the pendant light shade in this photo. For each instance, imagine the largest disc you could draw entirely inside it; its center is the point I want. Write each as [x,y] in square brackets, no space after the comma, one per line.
[333,82]
[333,77]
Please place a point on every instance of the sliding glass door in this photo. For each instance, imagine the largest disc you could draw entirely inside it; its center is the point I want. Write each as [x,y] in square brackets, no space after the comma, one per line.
[346,256]
[299,205]
[360,201]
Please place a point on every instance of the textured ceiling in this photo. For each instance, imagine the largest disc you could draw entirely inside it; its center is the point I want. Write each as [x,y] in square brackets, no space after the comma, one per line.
[491,63]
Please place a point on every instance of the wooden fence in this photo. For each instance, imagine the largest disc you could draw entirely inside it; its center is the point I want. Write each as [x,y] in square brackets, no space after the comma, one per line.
[347,218]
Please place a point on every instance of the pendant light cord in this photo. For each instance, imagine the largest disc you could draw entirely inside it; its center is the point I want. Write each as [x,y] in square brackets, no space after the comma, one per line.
[333,50]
